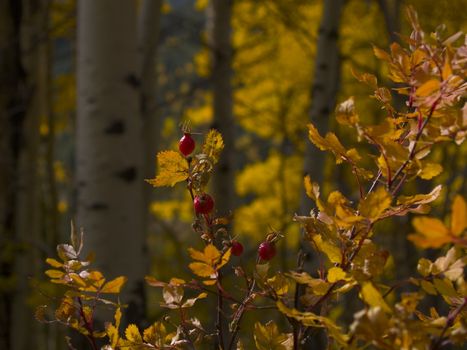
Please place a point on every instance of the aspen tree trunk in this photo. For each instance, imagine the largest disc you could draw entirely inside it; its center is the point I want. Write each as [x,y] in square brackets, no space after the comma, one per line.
[28,227]
[391,13]
[219,29]
[109,144]
[148,39]
[13,106]
[324,90]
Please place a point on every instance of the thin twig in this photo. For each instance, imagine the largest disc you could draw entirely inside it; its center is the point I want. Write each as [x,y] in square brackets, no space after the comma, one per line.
[449,322]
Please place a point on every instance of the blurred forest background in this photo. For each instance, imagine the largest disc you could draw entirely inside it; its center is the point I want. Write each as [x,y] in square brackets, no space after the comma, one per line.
[91,90]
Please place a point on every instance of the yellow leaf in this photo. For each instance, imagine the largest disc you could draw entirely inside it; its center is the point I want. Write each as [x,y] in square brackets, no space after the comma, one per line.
[336,274]
[430,170]
[330,250]
[196,254]
[155,334]
[118,317]
[447,69]
[267,337]
[381,54]
[225,259]
[428,88]
[445,287]
[458,216]
[329,143]
[202,269]
[428,287]
[172,167]
[54,273]
[431,233]
[213,145]
[112,333]
[373,297]
[133,335]
[114,286]
[312,191]
[375,203]
[211,254]
[420,198]
[53,263]
[279,283]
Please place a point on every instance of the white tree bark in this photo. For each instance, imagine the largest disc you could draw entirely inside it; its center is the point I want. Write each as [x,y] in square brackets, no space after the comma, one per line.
[324,90]
[148,38]
[109,149]
[219,27]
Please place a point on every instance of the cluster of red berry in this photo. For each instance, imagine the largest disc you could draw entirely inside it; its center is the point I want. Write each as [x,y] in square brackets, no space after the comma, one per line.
[204,204]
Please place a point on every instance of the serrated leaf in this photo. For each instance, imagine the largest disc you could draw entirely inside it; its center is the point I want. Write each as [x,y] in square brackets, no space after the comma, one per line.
[133,335]
[267,337]
[202,270]
[279,283]
[312,320]
[430,170]
[373,205]
[112,334]
[114,286]
[329,143]
[155,334]
[172,168]
[373,297]
[213,145]
[458,216]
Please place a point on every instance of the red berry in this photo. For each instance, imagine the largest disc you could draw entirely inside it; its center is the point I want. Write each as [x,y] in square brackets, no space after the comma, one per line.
[267,250]
[203,204]
[237,248]
[186,145]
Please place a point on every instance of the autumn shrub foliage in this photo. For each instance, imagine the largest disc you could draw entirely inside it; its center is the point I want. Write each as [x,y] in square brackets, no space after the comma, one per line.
[428,71]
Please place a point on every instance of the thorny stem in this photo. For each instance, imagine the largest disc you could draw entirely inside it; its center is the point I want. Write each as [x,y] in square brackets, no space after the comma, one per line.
[413,151]
[220,308]
[449,322]
[297,329]
[87,325]
[240,312]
